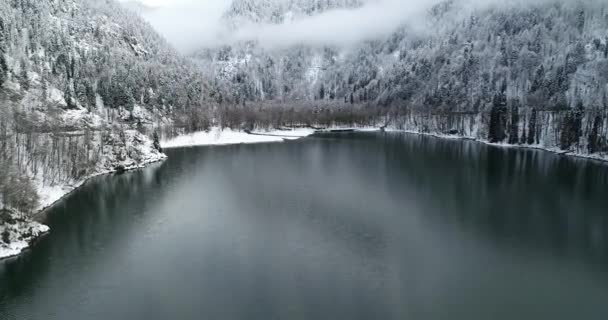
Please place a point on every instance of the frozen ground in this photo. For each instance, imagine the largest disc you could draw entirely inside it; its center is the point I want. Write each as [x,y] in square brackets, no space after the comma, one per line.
[216,136]
[17,232]
[139,145]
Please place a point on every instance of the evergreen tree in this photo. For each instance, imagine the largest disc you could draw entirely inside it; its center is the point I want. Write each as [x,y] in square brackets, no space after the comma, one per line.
[3,66]
[24,80]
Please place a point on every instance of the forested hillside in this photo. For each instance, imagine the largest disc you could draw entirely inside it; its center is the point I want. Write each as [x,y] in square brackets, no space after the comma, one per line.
[535,74]
[83,84]
[242,12]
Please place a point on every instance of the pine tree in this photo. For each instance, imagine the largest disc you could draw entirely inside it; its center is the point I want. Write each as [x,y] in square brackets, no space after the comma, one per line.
[3,66]
[3,69]
[498,115]
[322,92]
[580,21]
[24,80]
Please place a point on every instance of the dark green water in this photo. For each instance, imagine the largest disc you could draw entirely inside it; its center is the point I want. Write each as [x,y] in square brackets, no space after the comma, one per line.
[353,226]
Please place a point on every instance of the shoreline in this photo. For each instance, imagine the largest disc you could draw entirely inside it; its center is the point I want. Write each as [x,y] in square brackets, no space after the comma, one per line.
[42,213]
[234,137]
[218,137]
[556,151]
[39,218]
[202,139]
[363,129]
[559,152]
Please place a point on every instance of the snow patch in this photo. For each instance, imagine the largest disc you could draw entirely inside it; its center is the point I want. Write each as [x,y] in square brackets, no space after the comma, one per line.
[17,232]
[138,153]
[314,72]
[217,136]
[56,98]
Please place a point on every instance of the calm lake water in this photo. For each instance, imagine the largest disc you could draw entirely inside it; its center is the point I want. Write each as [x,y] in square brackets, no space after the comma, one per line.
[349,226]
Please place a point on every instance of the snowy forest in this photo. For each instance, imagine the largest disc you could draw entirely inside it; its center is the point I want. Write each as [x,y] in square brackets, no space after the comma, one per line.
[82,82]
[88,87]
[534,74]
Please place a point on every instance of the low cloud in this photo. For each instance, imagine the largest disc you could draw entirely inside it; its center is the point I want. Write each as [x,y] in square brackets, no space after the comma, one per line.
[190,24]
[340,27]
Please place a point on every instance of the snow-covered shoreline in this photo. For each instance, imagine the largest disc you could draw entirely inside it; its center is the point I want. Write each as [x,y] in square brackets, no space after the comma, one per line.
[228,137]
[53,195]
[216,136]
[21,230]
[58,194]
[507,145]
[557,151]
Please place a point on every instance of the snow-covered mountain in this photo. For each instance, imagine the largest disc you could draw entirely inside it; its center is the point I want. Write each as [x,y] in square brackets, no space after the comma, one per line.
[532,74]
[83,84]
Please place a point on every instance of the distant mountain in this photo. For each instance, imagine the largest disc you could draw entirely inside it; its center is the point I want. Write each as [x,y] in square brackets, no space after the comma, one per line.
[534,74]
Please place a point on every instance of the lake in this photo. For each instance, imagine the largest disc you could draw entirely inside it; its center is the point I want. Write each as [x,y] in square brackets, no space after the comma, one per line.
[335,226]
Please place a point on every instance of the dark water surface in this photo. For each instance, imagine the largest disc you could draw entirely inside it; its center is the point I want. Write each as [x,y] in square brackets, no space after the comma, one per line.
[352,226]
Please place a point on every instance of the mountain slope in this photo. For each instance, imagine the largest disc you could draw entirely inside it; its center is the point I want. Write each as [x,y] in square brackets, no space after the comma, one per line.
[534,74]
[83,85]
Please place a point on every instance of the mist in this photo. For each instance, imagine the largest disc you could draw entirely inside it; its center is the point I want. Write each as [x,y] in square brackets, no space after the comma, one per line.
[341,27]
[190,24]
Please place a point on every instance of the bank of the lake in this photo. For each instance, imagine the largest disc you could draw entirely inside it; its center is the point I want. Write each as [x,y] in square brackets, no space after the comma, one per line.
[215,137]
[128,150]
[590,156]
[20,231]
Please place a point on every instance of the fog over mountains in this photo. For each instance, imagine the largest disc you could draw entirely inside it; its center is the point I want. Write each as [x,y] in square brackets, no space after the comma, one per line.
[87,86]
[459,56]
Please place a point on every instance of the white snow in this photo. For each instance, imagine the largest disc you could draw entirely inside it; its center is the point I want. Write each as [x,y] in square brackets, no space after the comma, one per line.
[80,117]
[21,232]
[540,146]
[356,129]
[216,136]
[56,98]
[52,194]
[12,249]
[314,71]
[49,195]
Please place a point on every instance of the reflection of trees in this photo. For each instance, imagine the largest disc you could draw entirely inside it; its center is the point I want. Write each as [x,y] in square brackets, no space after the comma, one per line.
[98,213]
[514,196]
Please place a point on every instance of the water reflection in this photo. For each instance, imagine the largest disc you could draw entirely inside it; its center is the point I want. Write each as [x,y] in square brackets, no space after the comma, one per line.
[516,197]
[90,222]
[357,226]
